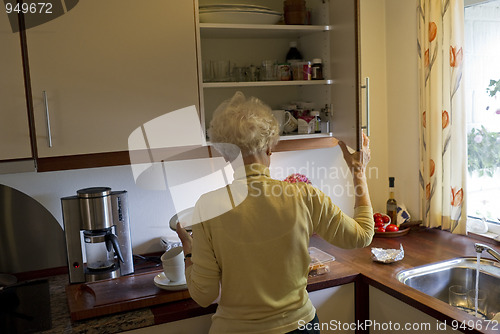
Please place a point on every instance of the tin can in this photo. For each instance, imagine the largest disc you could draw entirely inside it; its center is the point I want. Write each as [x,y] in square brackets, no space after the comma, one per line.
[284,72]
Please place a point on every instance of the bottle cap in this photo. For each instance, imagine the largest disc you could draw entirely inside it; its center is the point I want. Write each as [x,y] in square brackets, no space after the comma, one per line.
[391,182]
[316,61]
[293,44]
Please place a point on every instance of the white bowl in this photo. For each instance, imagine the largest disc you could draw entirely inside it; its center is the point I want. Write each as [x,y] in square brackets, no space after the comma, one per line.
[238,16]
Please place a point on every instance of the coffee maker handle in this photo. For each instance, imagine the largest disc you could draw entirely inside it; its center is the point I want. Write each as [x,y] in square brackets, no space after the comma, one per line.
[112,242]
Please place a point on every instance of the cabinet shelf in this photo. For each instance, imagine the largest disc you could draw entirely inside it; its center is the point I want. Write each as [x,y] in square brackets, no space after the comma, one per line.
[294,136]
[226,30]
[266,83]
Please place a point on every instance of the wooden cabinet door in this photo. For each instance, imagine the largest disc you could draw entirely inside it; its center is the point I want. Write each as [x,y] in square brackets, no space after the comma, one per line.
[345,63]
[14,130]
[107,67]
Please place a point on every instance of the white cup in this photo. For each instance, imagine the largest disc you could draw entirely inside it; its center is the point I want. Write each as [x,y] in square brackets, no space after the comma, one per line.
[280,117]
[291,123]
[173,264]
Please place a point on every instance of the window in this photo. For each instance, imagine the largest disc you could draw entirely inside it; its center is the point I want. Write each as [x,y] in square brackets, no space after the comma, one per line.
[481,82]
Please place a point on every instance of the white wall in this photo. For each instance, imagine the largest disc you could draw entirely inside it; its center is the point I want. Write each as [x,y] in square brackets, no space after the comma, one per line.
[402,97]
[389,58]
[150,210]
[373,65]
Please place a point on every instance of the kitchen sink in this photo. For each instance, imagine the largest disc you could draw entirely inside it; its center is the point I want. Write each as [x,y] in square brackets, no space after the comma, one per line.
[435,279]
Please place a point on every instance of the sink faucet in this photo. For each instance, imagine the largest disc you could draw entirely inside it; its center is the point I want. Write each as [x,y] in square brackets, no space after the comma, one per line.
[482,247]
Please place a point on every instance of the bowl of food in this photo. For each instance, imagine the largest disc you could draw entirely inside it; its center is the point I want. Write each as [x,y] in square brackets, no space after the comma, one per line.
[385,228]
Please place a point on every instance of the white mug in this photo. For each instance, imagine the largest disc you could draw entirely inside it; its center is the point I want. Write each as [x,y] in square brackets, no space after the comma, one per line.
[280,117]
[291,123]
[173,264]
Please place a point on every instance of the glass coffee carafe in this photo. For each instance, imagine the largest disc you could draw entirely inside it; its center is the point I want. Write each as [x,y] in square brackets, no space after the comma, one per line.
[100,248]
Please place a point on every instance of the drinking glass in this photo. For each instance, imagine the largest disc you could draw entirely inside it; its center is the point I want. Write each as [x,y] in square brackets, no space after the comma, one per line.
[269,70]
[481,300]
[222,70]
[208,71]
[457,296]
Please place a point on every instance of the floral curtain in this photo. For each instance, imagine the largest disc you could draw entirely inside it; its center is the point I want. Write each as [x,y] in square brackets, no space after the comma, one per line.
[442,115]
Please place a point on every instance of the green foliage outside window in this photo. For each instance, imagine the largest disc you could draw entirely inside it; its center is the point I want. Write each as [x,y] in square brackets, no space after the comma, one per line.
[484,146]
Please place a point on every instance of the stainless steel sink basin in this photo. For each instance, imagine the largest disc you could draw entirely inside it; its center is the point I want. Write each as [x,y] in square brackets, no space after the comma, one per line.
[434,279]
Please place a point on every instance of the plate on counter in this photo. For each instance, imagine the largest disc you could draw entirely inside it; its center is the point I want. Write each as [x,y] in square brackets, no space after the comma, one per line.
[399,233]
[164,283]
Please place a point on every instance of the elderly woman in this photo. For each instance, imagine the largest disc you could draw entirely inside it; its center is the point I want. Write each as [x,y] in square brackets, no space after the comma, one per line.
[254,255]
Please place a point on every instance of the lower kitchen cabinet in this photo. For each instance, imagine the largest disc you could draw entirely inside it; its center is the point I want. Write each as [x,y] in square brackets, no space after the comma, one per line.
[335,308]
[199,324]
[390,315]
[334,305]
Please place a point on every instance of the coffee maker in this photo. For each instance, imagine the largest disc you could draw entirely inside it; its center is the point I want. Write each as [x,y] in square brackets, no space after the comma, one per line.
[101,217]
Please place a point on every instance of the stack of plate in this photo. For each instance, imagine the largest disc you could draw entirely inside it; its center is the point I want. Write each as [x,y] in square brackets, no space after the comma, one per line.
[242,14]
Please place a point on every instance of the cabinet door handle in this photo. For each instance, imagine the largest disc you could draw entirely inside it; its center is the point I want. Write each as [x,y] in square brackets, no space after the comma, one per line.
[46,104]
[366,86]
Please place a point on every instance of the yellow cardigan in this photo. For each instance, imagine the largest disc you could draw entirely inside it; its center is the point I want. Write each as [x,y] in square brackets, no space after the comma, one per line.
[252,242]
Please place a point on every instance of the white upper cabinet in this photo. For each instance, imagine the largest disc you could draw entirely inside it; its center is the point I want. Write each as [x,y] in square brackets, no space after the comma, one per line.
[332,36]
[104,68]
[14,129]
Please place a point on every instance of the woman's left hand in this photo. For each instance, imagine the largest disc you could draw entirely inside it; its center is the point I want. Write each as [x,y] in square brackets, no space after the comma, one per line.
[186,238]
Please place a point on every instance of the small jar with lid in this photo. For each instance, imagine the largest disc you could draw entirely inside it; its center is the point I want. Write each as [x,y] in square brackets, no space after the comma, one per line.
[316,120]
[317,69]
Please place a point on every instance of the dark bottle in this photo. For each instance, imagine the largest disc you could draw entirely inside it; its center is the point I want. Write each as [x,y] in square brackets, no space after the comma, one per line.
[293,54]
[392,204]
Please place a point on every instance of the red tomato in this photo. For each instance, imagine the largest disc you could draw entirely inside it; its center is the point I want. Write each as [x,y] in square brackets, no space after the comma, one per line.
[378,220]
[386,219]
[380,229]
[392,228]
[379,224]
[377,214]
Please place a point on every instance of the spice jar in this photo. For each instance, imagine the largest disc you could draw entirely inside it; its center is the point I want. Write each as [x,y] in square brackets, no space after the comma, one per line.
[317,69]
[284,72]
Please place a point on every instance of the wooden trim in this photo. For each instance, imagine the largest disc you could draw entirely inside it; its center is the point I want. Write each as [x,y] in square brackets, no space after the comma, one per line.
[82,161]
[184,309]
[120,158]
[305,144]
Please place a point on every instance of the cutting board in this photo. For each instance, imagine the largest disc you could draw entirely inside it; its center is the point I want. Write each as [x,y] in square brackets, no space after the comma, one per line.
[94,299]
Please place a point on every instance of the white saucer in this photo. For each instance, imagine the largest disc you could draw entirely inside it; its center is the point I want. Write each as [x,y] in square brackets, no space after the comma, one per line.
[163,282]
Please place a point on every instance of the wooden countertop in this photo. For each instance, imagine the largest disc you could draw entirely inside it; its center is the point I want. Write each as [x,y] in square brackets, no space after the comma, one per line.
[422,246]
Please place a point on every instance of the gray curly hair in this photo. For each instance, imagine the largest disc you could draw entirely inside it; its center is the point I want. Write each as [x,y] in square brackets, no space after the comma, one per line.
[246,123]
